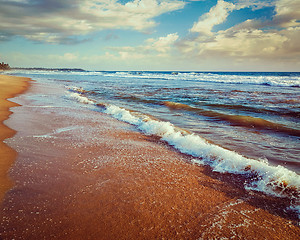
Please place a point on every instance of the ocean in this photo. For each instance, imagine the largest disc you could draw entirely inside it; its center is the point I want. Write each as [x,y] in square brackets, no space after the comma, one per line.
[243,123]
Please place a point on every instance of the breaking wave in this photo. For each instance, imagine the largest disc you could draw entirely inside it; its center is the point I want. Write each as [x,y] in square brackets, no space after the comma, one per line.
[274,180]
[80,98]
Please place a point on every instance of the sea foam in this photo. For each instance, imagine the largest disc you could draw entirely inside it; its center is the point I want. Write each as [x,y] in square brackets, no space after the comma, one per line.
[274,180]
[81,98]
[267,80]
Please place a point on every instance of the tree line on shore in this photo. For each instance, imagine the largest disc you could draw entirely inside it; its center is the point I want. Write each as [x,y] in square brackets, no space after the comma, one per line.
[4,66]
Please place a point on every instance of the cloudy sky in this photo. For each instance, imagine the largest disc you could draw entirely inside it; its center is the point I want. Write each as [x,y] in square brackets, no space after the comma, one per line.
[196,35]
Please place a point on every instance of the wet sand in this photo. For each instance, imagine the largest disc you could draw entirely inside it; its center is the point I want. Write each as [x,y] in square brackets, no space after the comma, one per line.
[98,178]
[9,88]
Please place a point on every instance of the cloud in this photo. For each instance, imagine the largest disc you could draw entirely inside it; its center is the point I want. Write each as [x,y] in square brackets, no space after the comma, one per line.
[56,21]
[215,16]
[162,44]
[250,42]
[243,43]
[19,59]
[153,52]
[67,57]
[287,13]
[253,40]
[254,4]
[160,47]
[111,36]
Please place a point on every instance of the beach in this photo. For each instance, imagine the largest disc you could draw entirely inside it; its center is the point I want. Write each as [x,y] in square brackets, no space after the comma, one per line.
[79,173]
[10,87]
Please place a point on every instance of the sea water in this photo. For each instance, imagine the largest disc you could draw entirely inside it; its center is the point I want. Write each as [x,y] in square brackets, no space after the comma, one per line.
[242,123]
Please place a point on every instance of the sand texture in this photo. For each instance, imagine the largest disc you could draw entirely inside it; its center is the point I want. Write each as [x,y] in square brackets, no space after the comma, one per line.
[84,175]
[9,87]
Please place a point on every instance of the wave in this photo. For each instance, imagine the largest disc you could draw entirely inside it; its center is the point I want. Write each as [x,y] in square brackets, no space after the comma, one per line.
[267,79]
[274,180]
[136,99]
[236,120]
[81,99]
[276,79]
[243,108]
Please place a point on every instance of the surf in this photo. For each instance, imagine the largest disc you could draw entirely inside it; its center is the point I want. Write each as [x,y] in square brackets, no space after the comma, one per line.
[274,180]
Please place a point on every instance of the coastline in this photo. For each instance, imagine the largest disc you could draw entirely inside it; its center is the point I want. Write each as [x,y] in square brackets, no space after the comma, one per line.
[10,86]
[85,175]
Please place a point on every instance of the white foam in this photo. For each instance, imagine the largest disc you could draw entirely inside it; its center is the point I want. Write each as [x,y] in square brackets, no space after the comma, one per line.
[273,180]
[49,135]
[81,98]
[279,81]
[122,114]
[269,179]
[66,129]
[57,131]
[272,80]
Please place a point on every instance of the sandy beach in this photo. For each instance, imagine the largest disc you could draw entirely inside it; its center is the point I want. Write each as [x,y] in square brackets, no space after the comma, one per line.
[9,87]
[99,178]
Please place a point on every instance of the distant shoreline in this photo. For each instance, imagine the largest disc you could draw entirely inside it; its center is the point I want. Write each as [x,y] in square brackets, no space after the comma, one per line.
[144,71]
[52,69]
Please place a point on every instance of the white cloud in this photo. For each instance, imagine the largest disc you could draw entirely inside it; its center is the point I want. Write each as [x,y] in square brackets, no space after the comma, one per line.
[253,40]
[162,44]
[68,57]
[256,42]
[243,43]
[215,16]
[52,21]
[287,13]
[154,54]
[254,4]
[160,47]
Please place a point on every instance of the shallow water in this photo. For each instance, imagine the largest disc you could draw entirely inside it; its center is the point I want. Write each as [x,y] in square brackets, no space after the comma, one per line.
[242,123]
[254,114]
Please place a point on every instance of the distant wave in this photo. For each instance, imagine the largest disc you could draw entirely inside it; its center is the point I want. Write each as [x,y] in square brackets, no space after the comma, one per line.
[292,80]
[277,181]
[271,79]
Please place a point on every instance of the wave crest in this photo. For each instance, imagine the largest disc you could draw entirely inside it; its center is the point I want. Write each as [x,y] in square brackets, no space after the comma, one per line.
[274,180]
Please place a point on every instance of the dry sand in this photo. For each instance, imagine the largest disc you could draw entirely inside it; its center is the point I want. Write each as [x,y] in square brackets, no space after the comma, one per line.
[9,87]
[96,178]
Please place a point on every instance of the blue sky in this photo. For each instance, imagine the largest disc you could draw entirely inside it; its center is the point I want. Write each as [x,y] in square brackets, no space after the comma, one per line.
[214,35]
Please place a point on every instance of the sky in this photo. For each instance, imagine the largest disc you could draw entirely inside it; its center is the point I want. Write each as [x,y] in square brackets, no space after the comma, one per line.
[153,35]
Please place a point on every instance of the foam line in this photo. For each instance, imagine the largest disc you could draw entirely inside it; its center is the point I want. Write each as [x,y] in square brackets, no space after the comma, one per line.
[274,180]
[270,179]
[81,98]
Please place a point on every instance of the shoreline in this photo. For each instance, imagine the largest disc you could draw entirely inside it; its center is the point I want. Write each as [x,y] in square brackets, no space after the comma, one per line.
[85,175]
[10,86]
